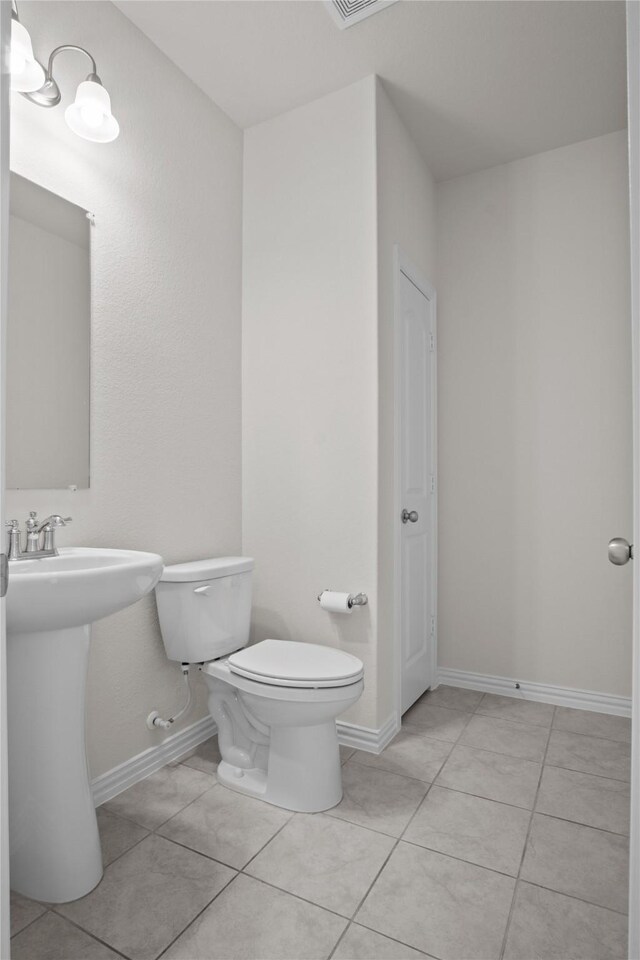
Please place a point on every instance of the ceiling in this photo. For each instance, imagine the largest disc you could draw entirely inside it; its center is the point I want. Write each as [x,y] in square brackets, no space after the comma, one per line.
[477,82]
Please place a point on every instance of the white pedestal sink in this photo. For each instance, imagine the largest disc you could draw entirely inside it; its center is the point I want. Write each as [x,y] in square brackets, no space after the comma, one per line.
[55,847]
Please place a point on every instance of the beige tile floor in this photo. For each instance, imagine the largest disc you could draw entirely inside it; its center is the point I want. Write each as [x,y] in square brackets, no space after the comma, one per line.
[491,827]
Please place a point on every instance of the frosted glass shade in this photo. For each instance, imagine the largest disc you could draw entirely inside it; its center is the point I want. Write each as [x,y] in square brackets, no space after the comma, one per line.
[27,75]
[90,114]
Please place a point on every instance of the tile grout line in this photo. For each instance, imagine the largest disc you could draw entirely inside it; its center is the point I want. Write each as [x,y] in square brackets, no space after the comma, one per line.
[241,870]
[592,736]
[205,856]
[576,733]
[351,920]
[181,810]
[237,873]
[481,796]
[395,846]
[600,776]
[132,847]
[526,843]
[502,753]
[199,914]
[352,756]
[458,743]
[587,826]
[572,896]
[93,936]
[471,863]
[387,836]
[497,753]
[401,943]
[397,840]
[502,803]
[31,923]
[53,908]
[157,827]
[153,832]
[257,854]
[296,896]
[395,773]
[525,723]
[150,833]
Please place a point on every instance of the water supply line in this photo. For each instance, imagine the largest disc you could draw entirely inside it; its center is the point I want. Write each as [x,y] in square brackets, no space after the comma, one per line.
[155,721]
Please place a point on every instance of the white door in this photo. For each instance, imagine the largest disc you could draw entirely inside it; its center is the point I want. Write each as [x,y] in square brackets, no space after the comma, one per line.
[5,37]
[417,484]
[633,86]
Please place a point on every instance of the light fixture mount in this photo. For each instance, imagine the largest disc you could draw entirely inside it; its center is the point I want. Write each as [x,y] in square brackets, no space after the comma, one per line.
[47,96]
[49,93]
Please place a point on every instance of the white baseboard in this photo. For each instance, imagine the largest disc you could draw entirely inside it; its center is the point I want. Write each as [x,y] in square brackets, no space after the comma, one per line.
[114,781]
[368,738]
[543,692]
[372,740]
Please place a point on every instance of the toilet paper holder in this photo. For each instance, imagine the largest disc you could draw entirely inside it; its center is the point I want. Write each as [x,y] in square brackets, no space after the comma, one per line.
[359,600]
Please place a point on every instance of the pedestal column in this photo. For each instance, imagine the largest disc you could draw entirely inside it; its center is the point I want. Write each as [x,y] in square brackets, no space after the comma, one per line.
[54,841]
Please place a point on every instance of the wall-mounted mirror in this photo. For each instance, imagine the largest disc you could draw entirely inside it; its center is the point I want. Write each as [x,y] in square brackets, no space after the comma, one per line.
[48,340]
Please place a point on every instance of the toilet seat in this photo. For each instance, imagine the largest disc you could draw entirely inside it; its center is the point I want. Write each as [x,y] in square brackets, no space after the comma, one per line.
[286,663]
[221,670]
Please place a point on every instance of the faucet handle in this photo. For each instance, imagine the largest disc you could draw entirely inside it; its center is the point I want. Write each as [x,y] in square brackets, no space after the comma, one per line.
[55,520]
[14,550]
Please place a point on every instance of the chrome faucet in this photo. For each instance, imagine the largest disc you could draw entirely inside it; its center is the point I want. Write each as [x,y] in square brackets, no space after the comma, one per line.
[40,537]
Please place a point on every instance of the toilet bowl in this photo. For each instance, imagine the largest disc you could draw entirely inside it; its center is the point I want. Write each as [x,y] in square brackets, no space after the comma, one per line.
[275,703]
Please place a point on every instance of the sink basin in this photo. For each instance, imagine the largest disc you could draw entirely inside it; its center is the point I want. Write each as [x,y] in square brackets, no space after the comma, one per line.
[81,585]
[51,602]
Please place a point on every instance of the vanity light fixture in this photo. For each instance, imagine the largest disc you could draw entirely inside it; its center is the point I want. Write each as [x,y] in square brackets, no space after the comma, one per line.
[89,115]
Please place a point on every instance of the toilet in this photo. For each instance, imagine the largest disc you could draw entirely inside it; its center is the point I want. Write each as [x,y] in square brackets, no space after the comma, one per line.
[275,703]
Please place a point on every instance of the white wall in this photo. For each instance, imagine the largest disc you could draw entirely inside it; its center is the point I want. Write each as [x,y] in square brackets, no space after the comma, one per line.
[310,373]
[166,287]
[329,189]
[535,418]
[406,196]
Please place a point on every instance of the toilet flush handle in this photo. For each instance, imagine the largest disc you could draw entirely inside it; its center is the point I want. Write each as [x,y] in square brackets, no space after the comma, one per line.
[202,590]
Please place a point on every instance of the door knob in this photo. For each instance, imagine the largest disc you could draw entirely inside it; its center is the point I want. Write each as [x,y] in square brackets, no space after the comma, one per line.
[409,515]
[620,551]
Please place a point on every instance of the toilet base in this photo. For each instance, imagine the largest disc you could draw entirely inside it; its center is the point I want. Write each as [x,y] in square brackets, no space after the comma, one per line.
[303,774]
[252,782]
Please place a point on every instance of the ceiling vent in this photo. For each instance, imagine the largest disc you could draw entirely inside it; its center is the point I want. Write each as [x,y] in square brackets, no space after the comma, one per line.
[347,12]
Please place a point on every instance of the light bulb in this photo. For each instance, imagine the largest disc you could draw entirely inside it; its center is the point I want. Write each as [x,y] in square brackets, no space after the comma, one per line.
[27,75]
[18,62]
[90,114]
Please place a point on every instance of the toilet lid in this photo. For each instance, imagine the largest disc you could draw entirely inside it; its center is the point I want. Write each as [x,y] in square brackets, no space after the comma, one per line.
[287,663]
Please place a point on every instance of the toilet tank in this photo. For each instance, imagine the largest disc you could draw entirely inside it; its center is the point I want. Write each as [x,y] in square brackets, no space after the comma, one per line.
[205,608]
